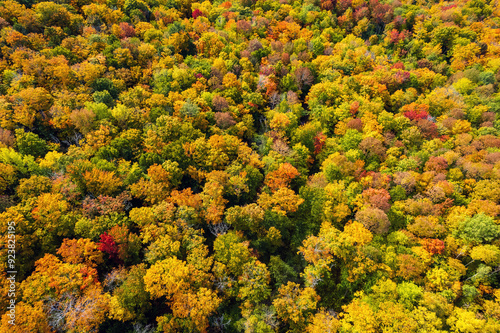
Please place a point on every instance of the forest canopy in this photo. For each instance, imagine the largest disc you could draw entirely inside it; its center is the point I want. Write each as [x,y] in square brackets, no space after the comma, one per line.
[250,166]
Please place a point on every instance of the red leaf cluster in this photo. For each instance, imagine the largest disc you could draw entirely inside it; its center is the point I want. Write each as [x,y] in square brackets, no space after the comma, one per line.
[109,246]
[197,13]
[433,246]
[319,142]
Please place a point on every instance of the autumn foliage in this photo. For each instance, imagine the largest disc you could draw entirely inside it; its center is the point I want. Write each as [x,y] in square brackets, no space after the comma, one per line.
[250,165]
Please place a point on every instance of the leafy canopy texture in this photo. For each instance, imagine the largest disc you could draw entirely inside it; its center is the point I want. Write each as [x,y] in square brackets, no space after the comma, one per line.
[257,166]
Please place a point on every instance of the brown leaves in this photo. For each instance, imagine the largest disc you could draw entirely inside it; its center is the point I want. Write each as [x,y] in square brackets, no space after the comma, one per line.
[374,220]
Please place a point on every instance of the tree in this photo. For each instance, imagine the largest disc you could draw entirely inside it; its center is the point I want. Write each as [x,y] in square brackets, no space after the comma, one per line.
[32,318]
[262,319]
[254,283]
[244,218]
[185,289]
[77,251]
[281,177]
[294,304]
[72,294]
[168,277]
[27,105]
[33,187]
[51,215]
[282,202]
[374,219]
[324,321]
[130,300]
[480,228]
[30,144]
[377,198]
[347,248]
[359,316]
[108,245]
[7,176]
[372,148]
[100,182]
[232,251]
[210,44]
[304,78]
[85,313]
[489,254]
[52,14]
[162,179]
[427,226]
[213,200]
[465,321]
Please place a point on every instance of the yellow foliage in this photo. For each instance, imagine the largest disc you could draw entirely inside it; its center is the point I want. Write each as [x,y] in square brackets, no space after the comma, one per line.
[102,182]
[461,126]
[88,312]
[294,304]
[463,320]
[438,279]
[283,201]
[7,176]
[28,318]
[357,234]
[117,311]
[99,138]
[464,56]
[358,317]
[323,322]
[168,278]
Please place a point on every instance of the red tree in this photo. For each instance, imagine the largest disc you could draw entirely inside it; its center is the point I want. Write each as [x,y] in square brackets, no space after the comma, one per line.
[197,13]
[109,246]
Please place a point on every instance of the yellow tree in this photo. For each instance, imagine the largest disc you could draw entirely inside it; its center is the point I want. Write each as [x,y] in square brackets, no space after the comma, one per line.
[210,44]
[254,283]
[295,305]
[186,290]
[213,200]
[71,293]
[50,213]
[26,106]
[29,318]
[283,201]
[346,247]
[100,182]
[323,322]
[161,180]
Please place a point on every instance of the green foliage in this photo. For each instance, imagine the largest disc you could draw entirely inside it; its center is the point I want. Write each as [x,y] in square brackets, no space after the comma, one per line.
[189,109]
[131,294]
[409,294]
[281,272]
[93,228]
[103,97]
[25,164]
[351,140]
[29,143]
[480,228]
[105,84]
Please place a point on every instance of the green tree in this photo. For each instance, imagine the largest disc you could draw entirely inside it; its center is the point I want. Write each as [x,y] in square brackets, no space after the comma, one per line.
[29,143]
[480,228]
